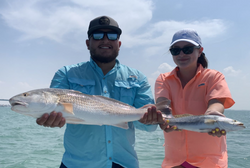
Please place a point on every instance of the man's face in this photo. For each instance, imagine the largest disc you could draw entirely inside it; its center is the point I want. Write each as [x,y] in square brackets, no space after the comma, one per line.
[103,50]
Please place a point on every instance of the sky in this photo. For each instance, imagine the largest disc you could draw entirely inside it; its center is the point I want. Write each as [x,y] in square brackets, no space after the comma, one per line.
[38,37]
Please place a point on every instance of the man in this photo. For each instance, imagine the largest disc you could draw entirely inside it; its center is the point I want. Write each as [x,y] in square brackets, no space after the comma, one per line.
[94,146]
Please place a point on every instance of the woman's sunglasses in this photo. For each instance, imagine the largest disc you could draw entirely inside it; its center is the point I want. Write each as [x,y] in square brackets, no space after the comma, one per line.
[100,35]
[185,50]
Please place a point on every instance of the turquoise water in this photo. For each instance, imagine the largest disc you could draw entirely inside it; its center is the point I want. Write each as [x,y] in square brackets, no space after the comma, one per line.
[24,144]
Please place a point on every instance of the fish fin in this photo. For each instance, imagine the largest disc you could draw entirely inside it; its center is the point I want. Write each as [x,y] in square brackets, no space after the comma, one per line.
[74,120]
[182,115]
[68,107]
[121,125]
[209,121]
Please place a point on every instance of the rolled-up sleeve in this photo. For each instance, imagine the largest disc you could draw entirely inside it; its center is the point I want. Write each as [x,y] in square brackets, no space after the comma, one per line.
[218,89]
[161,88]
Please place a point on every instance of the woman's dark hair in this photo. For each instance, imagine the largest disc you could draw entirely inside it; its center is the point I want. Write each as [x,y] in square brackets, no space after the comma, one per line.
[203,60]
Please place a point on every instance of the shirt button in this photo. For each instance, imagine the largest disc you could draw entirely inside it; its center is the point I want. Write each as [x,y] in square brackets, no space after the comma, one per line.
[110,158]
[105,91]
[109,141]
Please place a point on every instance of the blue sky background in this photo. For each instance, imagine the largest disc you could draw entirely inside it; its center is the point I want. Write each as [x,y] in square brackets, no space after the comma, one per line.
[38,37]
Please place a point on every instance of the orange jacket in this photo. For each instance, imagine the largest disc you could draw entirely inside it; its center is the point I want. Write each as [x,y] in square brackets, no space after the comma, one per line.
[198,149]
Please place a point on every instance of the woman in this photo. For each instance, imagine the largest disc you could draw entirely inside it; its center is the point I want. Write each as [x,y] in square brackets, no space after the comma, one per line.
[196,90]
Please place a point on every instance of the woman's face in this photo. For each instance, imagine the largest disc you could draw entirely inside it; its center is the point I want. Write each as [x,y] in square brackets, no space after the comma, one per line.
[183,60]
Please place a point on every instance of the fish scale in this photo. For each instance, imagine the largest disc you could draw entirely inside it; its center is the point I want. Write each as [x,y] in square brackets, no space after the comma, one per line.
[90,103]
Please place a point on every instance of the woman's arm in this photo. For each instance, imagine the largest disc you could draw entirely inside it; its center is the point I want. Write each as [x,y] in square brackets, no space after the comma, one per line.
[216,107]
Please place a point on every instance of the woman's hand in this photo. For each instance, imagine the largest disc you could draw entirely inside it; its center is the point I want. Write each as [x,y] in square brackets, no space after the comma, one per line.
[216,132]
[167,128]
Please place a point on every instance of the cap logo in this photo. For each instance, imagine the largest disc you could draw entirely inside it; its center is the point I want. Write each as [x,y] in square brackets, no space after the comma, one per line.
[184,35]
[104,21]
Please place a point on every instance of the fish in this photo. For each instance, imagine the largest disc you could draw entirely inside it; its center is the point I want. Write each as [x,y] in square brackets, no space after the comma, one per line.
[204,123]
[78,108]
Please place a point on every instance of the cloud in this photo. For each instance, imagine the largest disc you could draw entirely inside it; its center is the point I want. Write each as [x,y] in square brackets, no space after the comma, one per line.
[230,71]
[57,19]
[51,22]
[67,22]
[156,37]
[161,33]
[163,68]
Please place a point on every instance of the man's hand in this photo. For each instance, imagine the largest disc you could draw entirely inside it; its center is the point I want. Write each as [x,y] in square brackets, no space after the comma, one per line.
[152,116]
[51,120]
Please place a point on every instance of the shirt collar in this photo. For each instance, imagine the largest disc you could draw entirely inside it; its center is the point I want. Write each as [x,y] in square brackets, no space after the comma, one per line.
[95,66]
[198,71]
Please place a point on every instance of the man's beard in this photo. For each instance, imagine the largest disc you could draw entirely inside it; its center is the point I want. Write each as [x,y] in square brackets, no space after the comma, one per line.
[103,59]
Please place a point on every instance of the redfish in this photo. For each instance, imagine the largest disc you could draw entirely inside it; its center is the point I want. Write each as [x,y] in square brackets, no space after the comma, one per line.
[77,107]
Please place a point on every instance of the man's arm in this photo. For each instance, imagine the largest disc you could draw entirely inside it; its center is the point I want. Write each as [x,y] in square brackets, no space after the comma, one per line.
[143,98]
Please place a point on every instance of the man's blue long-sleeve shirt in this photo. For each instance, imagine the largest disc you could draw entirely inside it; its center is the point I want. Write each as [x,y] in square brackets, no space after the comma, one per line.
[99,146]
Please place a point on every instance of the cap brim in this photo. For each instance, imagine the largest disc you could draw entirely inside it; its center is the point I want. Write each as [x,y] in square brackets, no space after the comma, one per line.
[187,40]
[118,30]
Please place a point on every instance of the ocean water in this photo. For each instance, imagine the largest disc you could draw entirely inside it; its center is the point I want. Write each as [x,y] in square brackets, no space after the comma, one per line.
[24,144]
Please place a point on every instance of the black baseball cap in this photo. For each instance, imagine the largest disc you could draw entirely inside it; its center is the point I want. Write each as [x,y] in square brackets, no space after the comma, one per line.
[103,22]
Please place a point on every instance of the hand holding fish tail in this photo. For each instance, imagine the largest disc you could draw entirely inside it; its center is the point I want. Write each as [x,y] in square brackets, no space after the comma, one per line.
[152,116]
[51,120]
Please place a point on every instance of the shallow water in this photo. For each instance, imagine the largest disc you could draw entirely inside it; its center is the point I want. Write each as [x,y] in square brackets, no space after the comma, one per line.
[24,144]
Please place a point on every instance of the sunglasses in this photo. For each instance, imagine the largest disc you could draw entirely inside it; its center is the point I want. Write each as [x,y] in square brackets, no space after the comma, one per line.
[185,50]
[100,35]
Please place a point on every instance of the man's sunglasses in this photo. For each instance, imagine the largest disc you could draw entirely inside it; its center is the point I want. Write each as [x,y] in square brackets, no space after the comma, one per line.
[185,50]
[100,35]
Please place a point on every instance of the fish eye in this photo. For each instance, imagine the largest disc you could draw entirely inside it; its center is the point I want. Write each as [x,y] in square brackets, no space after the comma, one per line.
[25,94]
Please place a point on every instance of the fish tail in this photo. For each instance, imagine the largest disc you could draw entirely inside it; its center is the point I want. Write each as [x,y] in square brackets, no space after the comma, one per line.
[164,107]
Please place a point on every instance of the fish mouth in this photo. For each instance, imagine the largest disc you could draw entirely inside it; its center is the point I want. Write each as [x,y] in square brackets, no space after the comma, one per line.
[242,125]
[18,104]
